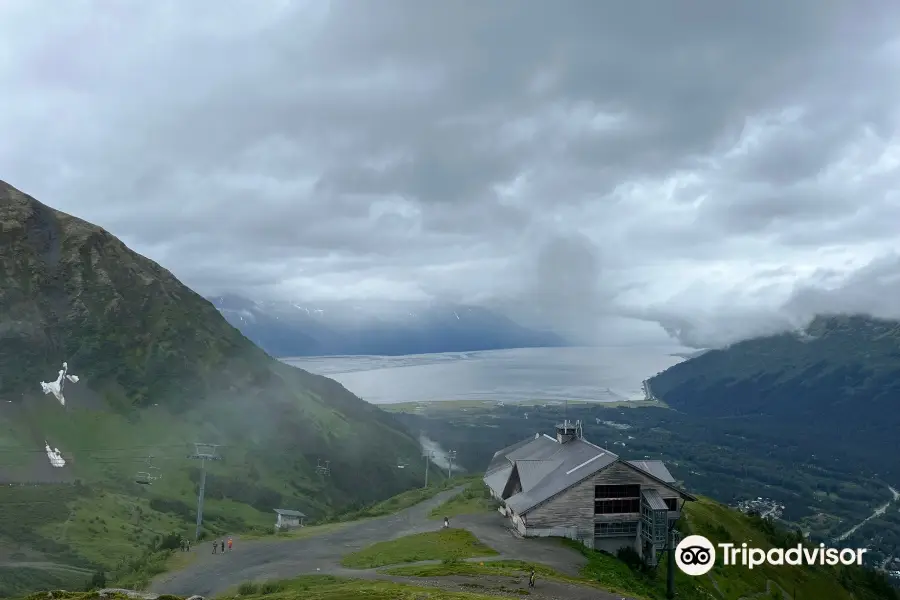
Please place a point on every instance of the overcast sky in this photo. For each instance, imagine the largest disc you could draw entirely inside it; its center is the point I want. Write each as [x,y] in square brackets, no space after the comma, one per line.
[720,168]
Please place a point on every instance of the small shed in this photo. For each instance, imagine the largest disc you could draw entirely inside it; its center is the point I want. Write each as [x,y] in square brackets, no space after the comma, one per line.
[288,519]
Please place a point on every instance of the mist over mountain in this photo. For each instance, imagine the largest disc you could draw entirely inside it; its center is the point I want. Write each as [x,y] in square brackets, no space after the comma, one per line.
[835,383]
[388,328]
[157,367]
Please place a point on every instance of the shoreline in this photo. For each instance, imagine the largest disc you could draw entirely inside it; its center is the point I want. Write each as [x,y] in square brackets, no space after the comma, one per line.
[424,406]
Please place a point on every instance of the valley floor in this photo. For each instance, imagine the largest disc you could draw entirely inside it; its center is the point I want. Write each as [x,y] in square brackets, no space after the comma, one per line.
[254,560]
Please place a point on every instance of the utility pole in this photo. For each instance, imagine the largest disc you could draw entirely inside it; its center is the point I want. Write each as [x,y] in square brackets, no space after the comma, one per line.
[203,453]
[670,547]
[670,571]
[427,456]
[450,456]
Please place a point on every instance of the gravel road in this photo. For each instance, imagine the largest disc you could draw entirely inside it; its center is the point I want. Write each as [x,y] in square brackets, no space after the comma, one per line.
[260,560]
[279,559]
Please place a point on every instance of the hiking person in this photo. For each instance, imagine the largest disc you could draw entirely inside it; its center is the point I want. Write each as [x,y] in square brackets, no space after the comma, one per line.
[446,522]
[215,546]
[223,546]
[531,579]
[229,544]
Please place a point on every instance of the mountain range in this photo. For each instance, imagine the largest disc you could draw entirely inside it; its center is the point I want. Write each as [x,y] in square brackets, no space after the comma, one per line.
[158,369]
[285,329]
[833,387]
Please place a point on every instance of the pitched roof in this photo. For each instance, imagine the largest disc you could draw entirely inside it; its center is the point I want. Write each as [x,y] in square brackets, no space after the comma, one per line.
[654,467]
[545,468]
[654,500]
[531,472]
[671,485]
[289,513]
[552,467]
[497,479]
[499,460]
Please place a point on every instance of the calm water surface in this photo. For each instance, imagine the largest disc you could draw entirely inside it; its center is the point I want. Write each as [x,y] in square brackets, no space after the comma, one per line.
[597,374]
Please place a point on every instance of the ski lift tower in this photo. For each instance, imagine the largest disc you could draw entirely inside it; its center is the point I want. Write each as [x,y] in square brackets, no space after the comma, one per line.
[450,456]
[428,455]
[203,453]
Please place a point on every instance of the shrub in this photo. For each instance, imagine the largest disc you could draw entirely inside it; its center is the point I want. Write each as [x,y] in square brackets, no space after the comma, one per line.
[271,587]
[248,588]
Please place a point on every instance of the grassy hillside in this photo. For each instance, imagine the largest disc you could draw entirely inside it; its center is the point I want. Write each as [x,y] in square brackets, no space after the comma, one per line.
[834,390]
[722,524]
[160,369]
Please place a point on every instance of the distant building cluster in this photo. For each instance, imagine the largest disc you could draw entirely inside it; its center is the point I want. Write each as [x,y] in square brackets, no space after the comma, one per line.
[764,507]
[892,569]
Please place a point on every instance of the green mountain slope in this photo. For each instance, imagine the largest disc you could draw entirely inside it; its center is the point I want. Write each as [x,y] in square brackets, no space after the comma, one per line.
[835,389]
[159,369]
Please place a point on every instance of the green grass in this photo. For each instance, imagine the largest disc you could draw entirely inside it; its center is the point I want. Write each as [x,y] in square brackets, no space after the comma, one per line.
[16,581]
[445,544]
[69,595]
[406,499]
[308,587]
[298,533]
[110,521]
[616,576]
[107,526]
[510,568]
[472,568]
[472,500]
[721,524]
[327,587]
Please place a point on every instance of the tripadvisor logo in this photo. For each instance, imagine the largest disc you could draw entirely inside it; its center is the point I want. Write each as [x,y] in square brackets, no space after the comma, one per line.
[696,555]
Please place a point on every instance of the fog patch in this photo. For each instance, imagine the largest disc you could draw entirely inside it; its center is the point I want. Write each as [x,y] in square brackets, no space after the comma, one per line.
[440,457]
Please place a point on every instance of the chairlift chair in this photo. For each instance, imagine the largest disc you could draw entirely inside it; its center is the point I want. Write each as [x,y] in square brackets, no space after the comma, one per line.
[145,477]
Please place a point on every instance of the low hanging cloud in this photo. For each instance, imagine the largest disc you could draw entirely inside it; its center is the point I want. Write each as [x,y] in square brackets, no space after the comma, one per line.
[719,169]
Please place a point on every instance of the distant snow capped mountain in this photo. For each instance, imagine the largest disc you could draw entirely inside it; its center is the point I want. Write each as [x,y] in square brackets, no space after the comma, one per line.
[387,328]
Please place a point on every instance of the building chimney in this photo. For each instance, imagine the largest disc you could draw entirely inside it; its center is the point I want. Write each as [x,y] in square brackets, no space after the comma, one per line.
[565,432]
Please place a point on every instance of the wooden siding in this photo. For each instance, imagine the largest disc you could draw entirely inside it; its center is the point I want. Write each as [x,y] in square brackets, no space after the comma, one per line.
[574,507]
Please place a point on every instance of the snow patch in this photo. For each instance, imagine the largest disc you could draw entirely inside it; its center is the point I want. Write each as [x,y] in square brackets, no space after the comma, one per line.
[56,387]
[54,455]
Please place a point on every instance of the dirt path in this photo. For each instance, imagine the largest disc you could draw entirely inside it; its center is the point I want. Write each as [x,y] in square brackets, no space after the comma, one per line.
[211,574]
[491,529]
[260,560]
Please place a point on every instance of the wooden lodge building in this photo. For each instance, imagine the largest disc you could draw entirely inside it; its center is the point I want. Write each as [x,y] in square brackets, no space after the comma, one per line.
[568,487]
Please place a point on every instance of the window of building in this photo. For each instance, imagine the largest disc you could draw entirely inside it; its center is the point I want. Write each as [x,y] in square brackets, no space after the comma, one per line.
[621,505]
[616,499]
[616,529]
[606,492]
[672,503]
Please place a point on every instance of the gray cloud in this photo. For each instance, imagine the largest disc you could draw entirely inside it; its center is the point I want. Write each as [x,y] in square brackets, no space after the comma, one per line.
[696,164]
